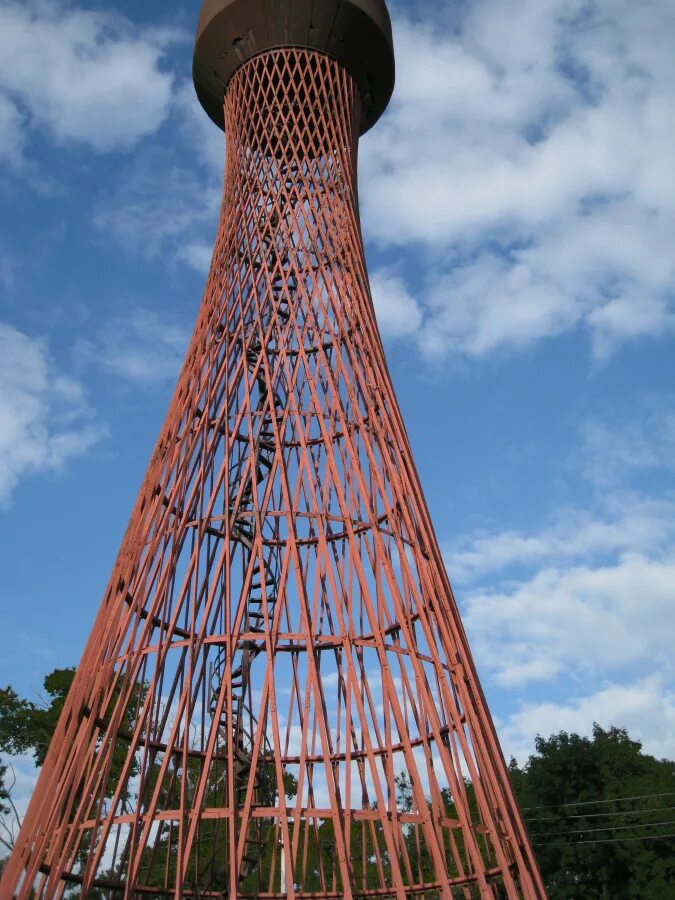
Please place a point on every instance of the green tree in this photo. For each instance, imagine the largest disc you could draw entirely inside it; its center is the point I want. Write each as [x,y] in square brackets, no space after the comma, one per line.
[6,832]
[591,842]
[589,845]
[27,727]
[4,796]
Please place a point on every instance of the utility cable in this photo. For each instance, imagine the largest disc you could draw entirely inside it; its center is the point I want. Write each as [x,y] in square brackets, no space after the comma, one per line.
[608,828]
[616,840]
[596,802]
[621,812]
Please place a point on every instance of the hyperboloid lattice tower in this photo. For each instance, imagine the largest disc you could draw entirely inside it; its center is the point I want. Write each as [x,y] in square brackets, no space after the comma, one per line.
[278,698]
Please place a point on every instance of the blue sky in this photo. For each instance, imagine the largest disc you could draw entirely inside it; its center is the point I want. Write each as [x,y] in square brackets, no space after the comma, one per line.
[518,203]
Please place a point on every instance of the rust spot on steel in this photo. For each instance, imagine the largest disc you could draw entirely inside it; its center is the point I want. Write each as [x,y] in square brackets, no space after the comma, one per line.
[278,698]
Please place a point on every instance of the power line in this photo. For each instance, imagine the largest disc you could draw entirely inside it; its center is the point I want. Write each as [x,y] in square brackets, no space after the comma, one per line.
[621,812]
[616,840]
[607,828]
[596,802]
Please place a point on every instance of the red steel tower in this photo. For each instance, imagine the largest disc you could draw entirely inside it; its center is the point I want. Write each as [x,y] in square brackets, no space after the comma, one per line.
[278,698]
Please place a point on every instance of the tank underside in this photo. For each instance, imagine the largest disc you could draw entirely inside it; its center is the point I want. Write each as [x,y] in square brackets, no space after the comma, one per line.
[356,33]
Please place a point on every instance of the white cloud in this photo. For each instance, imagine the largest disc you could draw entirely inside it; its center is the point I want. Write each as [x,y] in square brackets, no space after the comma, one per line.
[7,270]
[631,525]
[645,707]
[577,619]
[12,138]
[582,608]
[527,151]
[197,255]
[398,314]
[518,116]
[613,450]
[159,208]
[83,75]
[139,347]
[530,152]
[203,137]
[590,595]
[44,418]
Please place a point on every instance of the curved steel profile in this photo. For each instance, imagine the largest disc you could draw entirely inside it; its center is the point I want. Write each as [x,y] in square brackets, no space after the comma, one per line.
[278,698]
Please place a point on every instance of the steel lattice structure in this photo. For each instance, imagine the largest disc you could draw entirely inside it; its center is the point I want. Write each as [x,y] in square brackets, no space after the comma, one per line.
[278,698]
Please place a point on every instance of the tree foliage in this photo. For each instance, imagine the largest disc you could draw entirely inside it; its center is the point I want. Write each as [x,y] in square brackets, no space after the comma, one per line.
[591,805]
[4,795]
[27,727]
[589,845]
